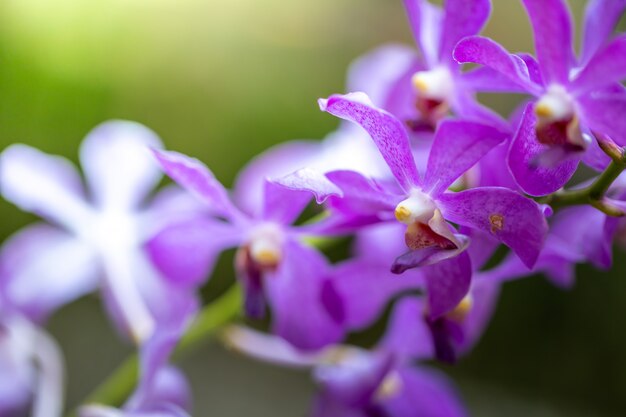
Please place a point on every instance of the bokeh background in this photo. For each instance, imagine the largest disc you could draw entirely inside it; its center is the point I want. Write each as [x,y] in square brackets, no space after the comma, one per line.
[223,80]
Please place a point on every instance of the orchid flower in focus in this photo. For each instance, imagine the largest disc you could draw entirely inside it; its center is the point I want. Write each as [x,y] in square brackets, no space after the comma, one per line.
[432,315]
[575,99]
[426,207]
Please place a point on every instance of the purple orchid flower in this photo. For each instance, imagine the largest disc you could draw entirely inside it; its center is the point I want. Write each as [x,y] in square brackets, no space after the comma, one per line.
[424,206]
[272,262]
[163,390]
[93,236]
[421,89]
[574,98]
[355,382]
[31,363]
[31,369]
[443,324]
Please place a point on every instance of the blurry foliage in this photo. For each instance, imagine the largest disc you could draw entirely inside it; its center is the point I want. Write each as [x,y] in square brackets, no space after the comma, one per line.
[223,80]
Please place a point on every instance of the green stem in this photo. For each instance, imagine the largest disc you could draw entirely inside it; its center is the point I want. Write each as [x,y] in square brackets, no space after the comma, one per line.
[118,386]
[594,194]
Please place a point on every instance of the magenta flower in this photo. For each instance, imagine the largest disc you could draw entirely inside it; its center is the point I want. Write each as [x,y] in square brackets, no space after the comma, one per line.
[272,262]
[425,207]
[575,98]
[31,363]
[443,324]
[421,89]
[31,369]
[97,238]
[356,382]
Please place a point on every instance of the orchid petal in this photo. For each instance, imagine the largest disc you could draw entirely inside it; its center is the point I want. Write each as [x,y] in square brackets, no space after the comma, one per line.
[367,287]
[16,373]
[48,395]
[46,185]
[447,283]
[361,196]
[552,30]
[118,166]
[425,21]
[186,251]
[196,178]
[268,348]
[458,145]
[296,293]
[534,71]
[379,73]
[353,380]
[587,238]
[515,220]
[170,205]
[160,384]
[467,107]
[382,242]
[169,393]
[493,169]
[488,80]
[407,334]
[278,192]
[606,67]
[44,268]
[275,162]
[525,148]
[428,391]
[601,17]
[306,179]
[461,18]
[486,52]
[604,113]
[388,133]
[122,292]
[594,157]
[484,295]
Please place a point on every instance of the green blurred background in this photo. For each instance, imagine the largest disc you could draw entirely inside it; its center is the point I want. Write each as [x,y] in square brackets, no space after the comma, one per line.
[223,80]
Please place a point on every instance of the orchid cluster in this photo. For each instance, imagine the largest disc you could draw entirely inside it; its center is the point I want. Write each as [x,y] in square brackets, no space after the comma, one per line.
[431,186]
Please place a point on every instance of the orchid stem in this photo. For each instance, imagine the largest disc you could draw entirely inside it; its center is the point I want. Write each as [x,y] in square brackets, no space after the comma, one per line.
[119,385]
[595,193]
